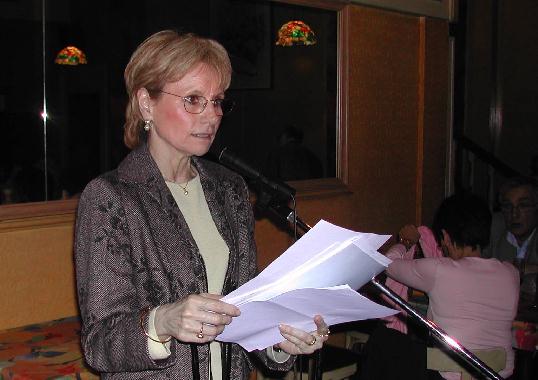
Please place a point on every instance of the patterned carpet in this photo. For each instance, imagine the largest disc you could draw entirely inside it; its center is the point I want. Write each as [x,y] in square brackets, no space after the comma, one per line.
[44,351]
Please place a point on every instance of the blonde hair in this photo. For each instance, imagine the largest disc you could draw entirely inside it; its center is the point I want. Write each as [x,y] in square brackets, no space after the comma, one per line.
[167,56]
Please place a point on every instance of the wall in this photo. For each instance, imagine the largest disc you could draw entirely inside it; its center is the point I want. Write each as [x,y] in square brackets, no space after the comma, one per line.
[393,162]
[398,98]
[37,273]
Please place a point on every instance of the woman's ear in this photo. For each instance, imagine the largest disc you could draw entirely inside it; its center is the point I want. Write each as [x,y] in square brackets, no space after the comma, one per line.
[144,103]
[447,241]
[453,250]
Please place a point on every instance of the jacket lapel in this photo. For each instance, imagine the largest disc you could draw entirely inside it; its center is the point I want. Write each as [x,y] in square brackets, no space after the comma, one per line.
[215,190]
[170,231]
[140,169]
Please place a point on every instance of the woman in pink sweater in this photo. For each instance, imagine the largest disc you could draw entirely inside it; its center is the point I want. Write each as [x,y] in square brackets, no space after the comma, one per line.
[473,299]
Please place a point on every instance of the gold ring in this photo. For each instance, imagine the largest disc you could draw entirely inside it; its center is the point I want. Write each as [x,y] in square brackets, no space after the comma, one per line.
[326,334]
[201,333]
[314,339]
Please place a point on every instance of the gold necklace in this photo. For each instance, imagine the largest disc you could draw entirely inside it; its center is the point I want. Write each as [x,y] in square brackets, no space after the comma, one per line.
[184,188]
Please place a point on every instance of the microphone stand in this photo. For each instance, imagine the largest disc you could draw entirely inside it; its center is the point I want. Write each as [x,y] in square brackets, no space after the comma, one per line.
[442,337]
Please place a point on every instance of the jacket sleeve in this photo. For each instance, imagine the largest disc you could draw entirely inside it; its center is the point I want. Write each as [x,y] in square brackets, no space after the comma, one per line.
[112,339]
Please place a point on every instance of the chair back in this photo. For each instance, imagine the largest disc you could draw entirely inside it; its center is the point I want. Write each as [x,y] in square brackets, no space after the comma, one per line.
[439,360]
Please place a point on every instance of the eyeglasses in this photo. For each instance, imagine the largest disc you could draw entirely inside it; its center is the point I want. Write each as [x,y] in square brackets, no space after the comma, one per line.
[196,104]
[524,207]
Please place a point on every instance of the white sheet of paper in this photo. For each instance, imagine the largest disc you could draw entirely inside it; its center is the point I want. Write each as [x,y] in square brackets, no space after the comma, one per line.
[327,256]
[257,326]
[320,242]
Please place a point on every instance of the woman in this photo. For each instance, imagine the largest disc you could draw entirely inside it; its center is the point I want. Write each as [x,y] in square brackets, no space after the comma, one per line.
[159,239]
[471,298]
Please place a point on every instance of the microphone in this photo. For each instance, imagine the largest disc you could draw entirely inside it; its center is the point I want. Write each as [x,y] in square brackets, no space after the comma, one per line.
[229,159]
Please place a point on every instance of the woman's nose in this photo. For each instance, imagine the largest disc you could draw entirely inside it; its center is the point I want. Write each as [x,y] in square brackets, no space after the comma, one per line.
[211,112]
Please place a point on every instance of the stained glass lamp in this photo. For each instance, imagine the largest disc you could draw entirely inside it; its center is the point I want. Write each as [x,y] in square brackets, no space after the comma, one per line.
[72,56]
[295,33]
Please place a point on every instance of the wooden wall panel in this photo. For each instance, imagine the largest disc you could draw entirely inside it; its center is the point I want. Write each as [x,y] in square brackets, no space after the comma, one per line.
[383,119]
[37,275]
[435,87]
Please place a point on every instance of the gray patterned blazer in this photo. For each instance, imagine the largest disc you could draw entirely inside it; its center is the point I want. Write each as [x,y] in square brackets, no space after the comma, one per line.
[133,249]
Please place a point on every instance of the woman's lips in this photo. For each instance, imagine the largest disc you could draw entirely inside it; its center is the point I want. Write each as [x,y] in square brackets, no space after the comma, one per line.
[202,135]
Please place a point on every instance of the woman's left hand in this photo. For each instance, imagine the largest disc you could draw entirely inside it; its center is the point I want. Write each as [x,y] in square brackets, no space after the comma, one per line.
[301,342]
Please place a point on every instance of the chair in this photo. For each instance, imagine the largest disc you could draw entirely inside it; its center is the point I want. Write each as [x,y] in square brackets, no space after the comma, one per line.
[355,340]
[438,360]
[337,363]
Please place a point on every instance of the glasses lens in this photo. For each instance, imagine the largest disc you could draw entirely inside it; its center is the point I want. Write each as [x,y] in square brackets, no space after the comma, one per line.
[194,103]
[526,207]
[522,207]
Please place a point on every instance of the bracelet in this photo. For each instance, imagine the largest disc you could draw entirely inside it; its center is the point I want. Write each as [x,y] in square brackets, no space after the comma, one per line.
[276,348]
[283,356]
[143,318]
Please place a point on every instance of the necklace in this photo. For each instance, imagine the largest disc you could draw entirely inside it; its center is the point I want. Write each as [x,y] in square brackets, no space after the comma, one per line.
[184,188]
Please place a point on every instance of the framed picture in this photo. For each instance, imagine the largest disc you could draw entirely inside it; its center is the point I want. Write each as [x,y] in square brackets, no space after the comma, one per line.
[244,28]
[446,9]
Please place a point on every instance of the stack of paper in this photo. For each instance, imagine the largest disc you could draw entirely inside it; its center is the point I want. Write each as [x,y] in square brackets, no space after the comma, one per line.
[316,275]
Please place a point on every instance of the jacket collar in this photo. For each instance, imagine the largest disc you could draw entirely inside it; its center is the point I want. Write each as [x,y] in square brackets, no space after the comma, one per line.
[139,168]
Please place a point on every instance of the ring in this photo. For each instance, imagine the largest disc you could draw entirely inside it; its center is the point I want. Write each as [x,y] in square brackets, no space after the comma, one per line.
[326,334]
[314,339]
[201,333]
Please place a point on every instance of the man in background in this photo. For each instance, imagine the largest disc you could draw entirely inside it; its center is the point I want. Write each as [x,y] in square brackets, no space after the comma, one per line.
[513,236]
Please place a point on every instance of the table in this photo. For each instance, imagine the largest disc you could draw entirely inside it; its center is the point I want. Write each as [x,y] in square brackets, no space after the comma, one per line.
[524,328]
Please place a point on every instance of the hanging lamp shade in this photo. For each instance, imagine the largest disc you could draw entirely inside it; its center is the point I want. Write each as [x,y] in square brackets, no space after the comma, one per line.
[295,33]
[71,55]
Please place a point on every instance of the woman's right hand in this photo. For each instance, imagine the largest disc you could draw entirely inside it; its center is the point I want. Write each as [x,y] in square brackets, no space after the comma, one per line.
[198,318]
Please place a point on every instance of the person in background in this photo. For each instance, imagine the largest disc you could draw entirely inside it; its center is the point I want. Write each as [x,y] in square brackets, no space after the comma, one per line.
[292,160]
[162,237]
[459,287]
[513,233]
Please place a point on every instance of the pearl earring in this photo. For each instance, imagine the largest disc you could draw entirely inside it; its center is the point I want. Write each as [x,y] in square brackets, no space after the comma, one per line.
[147,125]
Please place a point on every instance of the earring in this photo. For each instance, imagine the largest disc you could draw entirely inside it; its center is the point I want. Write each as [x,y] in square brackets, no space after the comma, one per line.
[147,125]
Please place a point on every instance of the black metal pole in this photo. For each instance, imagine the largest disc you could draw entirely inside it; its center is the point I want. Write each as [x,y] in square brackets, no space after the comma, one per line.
[442,337]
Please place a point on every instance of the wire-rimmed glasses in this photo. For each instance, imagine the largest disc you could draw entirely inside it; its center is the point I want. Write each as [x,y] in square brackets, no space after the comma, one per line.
[523,207]
[196,104]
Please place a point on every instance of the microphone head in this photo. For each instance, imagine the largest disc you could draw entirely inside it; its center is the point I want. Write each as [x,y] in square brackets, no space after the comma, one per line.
[229,159]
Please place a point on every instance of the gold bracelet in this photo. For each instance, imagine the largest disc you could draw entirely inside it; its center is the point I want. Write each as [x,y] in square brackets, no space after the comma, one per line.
[143,318]
[276,348]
